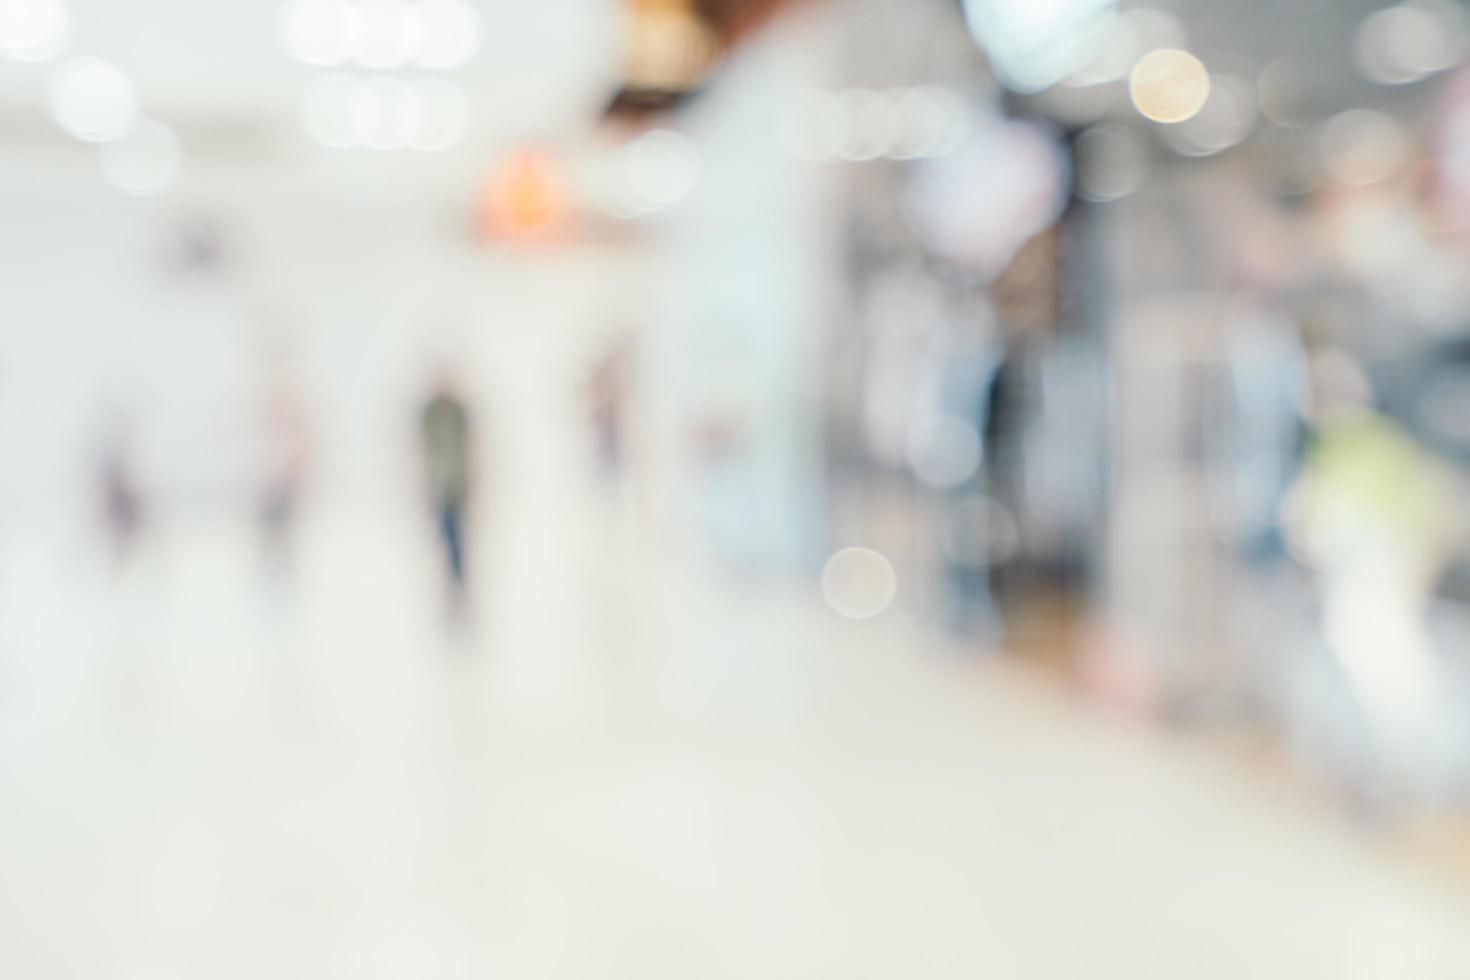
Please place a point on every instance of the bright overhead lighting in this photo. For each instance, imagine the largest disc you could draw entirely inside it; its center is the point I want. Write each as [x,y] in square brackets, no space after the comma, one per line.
[92,99]
[385,113]
[1228,116]
[320,32]
[446,116]
[34,30]
[1408,42]
[1034,44]
[380,34]
[451,34]
[1169,85]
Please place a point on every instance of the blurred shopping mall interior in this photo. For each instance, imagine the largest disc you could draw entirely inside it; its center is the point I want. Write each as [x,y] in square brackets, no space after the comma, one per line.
[782,489]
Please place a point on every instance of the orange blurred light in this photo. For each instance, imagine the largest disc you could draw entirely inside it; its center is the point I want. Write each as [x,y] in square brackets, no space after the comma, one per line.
[527,199]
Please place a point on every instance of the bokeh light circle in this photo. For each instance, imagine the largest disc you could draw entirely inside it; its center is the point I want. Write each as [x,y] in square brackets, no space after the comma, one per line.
[1410,41]
[1169,85]
[1362,147]
[1227,118]
[92,99]
[659,169]
[859,583]
[446,114]
[34,30]
[320,32]
[944,452]
[452,34]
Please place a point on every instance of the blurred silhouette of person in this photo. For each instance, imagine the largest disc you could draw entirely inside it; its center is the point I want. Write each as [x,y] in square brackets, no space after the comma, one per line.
[121,497]
[607,401]
[1377,515]
[445,434]
[198,247]
[286,449]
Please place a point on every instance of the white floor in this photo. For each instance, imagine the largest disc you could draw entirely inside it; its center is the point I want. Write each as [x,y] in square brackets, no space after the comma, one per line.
[625,770]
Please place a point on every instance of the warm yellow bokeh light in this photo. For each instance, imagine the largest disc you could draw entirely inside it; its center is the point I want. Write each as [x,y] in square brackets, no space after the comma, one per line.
[1169,85]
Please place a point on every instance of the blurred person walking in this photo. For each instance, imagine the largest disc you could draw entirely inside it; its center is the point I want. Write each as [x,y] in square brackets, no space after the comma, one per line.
[445,438]
[1377,515]
[284,462]
[119,492]
[607,392]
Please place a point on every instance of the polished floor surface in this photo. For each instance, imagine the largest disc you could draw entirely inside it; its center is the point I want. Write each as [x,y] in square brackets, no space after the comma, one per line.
[620,768]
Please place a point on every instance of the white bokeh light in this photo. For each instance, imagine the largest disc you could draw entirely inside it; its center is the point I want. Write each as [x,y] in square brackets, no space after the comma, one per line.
[861,124]
[1132,33]
[397,114]
[385,113]
[944,452]
[874,127]
[320,32]
[379,118]
[381,34]
[34,30]
[833,128]
[1410,41]
[451,34]
[392,33]
[92,99]
[1362,147]
[659,169]
[1037,43]
[932,122]
[446,115]
[1227,118]
[1282,92]
[1169,85]
[859,583]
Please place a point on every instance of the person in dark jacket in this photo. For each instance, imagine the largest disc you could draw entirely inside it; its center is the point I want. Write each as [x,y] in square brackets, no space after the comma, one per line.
[446,435]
